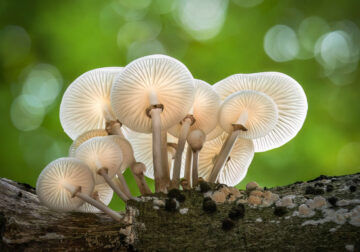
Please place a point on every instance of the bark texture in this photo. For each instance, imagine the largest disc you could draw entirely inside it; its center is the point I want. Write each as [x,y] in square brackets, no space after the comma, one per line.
[183,225]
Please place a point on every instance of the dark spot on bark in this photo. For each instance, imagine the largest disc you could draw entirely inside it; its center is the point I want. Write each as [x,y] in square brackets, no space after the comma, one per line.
[204,187]
[352,188]
[329,188]
[170,205]
[319,184]
[265,188]
[314,191]
[206,199]
[227,224]
[219,186]
[2,224]
[181,198]
[237,212]
[332,200]
[321,177]
[209,205]
[176,193]
[298,182]
[19,194]
[356,180]
[280,211]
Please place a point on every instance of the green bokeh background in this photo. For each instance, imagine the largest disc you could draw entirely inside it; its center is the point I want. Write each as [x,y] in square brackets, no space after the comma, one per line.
[214,38]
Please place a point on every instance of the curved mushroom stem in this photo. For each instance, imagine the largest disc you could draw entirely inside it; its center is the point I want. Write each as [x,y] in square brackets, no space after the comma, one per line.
[138,170]
[123,185]
[164,156]
[104,173]
[188,167]
[114,128]
[195,176]
[76,192]
[186,123]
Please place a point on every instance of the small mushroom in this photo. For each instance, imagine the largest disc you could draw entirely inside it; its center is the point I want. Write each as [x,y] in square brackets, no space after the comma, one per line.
[286,93]
[203,115]
[248,114]
[84,137]
[187,174]
[236,165]
[102,193]
[104,158]
[86,103]
[196,140]
[65,184]
[152,94]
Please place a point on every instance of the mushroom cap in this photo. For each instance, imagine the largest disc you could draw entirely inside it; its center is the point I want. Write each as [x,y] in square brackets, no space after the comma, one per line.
[126,149]
[84,137]
[260,109]
[100,152]
[235,168]
[196,139]
[287,94]
[49,184]
[217,131]
[105,194]
[142,146]
[205,109]
[85,101]
[164,76]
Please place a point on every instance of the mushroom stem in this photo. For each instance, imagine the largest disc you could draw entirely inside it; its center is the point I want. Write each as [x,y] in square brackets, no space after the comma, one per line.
[104,173]
[114,128]
[123,185]
[195,164]
[76,192]
[137,170]
[164,156]
[188,166]
[179,151]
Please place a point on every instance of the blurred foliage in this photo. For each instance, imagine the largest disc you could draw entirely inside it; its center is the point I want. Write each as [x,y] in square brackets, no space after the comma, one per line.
[45,45]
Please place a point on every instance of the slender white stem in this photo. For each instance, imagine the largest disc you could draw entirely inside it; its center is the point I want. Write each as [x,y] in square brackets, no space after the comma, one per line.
[123,185]
[139,177]
[223,155]
[164,156]
[188,165]
[179,151]
[195,176]
[110,182]
[116,130]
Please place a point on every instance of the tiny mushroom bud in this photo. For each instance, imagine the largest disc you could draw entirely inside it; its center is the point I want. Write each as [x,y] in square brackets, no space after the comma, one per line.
[84,137]
[86,103]
[104,158]
[65,184]
[152,94]
[102,193]
[196,140]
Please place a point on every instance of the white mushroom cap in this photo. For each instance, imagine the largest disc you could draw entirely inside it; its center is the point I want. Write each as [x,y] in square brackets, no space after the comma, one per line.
[285,92]
[126,149]
[104,193]
[217,131]
[84,137]
[142,146]
[86,102]
[158,75]
[196,139]
[259,110]
[50,189]
[100,152]
[235,168]
[205,109]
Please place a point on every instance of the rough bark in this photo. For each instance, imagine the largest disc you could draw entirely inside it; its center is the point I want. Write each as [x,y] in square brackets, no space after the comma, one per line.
[26,224]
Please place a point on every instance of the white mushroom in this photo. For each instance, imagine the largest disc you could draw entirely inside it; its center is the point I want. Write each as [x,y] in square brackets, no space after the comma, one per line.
[237,163]
[84,137]
[102,193]
[65,184]
[203,115]
[152,94]
[104,158]
[196,140]
[287,94]
[248,114]
[86,103]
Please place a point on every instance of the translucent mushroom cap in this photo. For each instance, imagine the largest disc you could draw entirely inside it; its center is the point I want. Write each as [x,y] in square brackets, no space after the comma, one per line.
[205,109]
[84,137]
[217,131]
[50,189]
[142,146]
[287,94]
[103,193]
[86,102]
[163,76]
[126,149]
[100,152]
[257,111]
[235,168]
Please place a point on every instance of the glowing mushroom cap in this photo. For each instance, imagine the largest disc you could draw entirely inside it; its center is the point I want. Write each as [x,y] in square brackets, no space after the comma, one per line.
[287,94]
[196,139]
[49,186]
[84,137]
[235,168]
[126,149]
[258,111]
[217,131]
[205,109]
[142,146]
[86,102]
[103,193]
[100,152]
[165,77]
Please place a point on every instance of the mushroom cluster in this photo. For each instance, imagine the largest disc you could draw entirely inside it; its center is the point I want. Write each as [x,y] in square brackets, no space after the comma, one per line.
[144,116]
